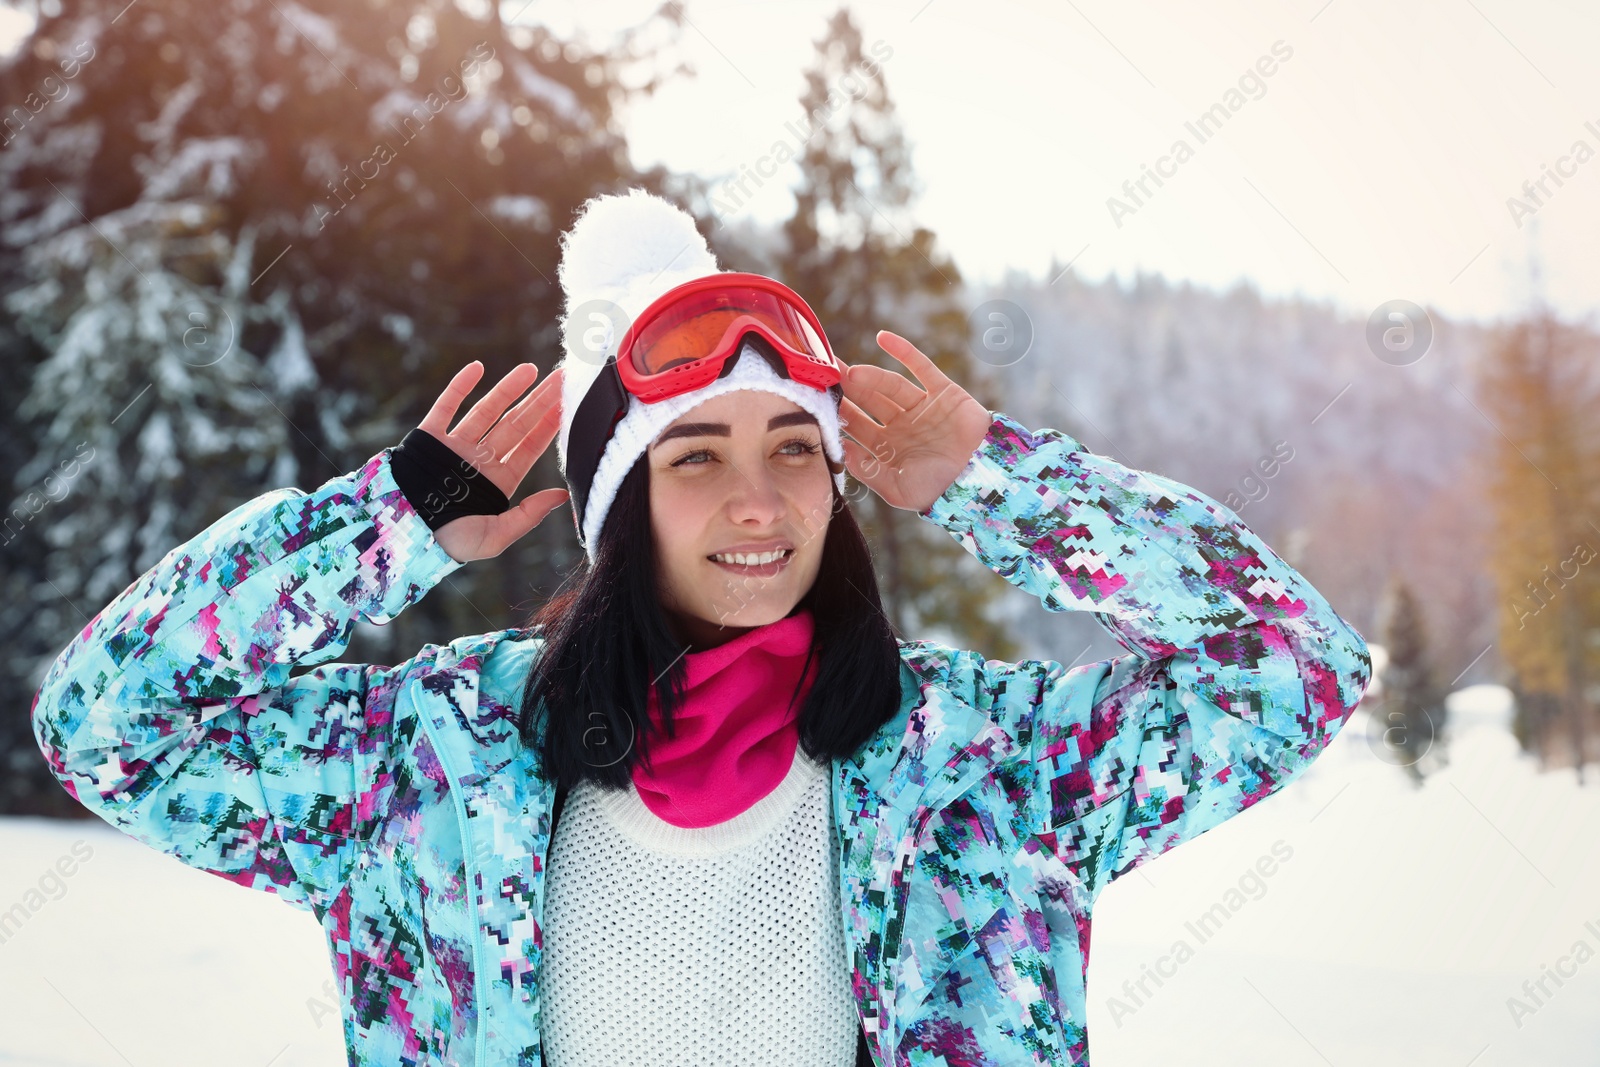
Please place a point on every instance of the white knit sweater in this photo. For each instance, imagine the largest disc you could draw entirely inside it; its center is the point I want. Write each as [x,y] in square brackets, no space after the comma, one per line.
[719,945]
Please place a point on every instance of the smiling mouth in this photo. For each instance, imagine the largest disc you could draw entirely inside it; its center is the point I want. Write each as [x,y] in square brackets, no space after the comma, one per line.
[761,564]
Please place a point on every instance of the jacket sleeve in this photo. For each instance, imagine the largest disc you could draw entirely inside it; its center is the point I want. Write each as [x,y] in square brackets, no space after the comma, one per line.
[172,714]
[1238,674]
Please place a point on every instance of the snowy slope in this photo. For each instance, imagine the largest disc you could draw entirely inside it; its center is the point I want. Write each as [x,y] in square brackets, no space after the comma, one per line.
[1392,928]
[1397,931]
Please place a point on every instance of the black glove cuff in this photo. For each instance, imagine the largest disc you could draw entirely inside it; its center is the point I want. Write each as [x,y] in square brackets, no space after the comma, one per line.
[439,484]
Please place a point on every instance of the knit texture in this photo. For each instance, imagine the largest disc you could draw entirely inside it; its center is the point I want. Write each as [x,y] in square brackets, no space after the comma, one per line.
[721,945]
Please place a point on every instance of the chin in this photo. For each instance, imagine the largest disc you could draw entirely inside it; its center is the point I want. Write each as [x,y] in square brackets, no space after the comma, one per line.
[764,610]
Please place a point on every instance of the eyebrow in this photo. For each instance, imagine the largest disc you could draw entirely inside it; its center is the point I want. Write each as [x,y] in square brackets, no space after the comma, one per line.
[721,429]
[791,418]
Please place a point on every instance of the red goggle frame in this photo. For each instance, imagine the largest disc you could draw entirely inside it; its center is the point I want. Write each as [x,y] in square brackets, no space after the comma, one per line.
[685,338]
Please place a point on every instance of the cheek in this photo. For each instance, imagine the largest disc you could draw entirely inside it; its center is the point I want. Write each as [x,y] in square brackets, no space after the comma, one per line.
[813,509]
[671,522]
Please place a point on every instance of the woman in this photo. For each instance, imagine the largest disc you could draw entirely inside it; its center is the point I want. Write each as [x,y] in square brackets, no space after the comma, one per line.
[785,836]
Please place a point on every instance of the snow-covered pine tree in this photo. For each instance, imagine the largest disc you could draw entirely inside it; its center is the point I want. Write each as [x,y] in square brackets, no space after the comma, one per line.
[856,252]
[245,245]
[1410,722]
[147,415]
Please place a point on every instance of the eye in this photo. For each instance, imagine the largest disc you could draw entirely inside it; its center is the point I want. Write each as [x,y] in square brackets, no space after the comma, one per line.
[799,446]
[689,457]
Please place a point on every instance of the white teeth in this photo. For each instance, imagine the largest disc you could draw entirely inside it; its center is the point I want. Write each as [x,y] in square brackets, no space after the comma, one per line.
[750,559]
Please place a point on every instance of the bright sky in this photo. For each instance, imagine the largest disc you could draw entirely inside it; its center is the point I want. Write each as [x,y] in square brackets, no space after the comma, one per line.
[1374,163]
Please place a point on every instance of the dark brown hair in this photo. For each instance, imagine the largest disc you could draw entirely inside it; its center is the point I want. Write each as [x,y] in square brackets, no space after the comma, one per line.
[607,639]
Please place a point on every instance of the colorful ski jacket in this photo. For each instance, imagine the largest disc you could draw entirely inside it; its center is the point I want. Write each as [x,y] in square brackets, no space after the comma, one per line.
[974,831]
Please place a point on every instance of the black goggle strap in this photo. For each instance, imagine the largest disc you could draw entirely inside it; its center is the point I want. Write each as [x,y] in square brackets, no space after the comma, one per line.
[770,354]
[761,345]
[597,415]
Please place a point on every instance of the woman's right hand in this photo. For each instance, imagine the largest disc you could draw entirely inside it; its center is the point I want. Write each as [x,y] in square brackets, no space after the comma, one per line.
[502,450]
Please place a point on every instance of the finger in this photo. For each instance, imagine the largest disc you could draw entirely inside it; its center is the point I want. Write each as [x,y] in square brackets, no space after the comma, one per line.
[865,468]
[512,525]
[543,419]
[515,425]
[486,412]
[860,426]
[921,367]
[538,505]
[876,403]
[855,417]
[864,378]
[443,410]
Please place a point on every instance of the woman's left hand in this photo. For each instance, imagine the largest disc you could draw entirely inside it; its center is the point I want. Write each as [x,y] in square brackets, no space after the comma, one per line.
[909,444]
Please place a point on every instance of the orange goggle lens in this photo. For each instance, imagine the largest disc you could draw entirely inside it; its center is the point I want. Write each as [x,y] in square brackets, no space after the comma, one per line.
[686,344]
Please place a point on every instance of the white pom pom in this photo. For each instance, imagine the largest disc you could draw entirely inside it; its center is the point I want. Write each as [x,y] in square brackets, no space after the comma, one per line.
[617,238]
[621,253]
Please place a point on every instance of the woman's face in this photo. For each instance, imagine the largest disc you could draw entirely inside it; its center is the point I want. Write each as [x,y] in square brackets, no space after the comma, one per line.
[739,479]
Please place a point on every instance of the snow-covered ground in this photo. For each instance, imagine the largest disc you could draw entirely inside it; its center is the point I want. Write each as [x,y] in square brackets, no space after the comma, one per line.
[1398,931]
[1354,921]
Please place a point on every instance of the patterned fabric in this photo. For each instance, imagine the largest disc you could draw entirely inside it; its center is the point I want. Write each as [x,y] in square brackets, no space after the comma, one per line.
[975,830]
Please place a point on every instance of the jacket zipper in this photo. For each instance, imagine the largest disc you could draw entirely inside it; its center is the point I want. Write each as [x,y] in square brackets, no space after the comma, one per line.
[839,865]
[480,1053]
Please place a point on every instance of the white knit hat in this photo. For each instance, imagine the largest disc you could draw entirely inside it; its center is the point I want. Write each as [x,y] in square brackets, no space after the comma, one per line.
[619,256]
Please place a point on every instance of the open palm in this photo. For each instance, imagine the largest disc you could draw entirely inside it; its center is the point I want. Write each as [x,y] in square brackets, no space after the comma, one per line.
[909,443]
[501,445]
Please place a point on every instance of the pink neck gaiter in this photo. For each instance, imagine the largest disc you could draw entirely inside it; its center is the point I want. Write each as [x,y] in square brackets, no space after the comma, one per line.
[736,733]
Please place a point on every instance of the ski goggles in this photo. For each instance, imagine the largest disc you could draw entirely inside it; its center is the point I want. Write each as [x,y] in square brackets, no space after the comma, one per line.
[687,337]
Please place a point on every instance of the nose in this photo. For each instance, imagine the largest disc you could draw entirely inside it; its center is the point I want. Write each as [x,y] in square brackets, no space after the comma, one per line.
[756,499]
